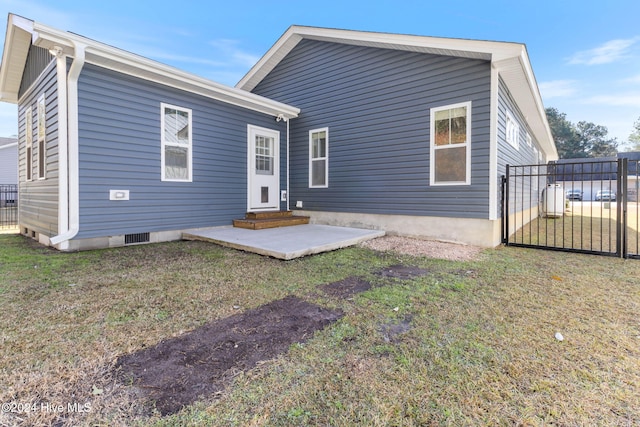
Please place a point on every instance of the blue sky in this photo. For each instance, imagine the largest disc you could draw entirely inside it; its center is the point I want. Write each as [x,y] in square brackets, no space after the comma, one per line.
[585,55]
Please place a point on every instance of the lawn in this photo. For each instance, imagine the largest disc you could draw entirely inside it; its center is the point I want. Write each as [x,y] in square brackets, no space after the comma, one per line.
[587,226]
[463,343]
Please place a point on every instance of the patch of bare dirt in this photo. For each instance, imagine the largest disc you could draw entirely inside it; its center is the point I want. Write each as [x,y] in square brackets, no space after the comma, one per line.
[402,272]
[420,247]
[177,371]
[346,288]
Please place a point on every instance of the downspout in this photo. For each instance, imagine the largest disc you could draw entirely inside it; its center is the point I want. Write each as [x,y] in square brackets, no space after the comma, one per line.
[288,154]
[71,172]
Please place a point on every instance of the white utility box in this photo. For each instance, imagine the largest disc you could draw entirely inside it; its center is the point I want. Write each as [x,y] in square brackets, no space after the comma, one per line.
[553,201]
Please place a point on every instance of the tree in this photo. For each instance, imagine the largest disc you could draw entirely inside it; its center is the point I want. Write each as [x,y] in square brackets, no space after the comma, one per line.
[634,138]
[579,141]
[594,137]
[565,135]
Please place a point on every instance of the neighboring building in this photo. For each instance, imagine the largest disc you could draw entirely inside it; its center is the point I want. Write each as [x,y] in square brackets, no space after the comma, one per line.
[587,176]
[8,161]
[403,133]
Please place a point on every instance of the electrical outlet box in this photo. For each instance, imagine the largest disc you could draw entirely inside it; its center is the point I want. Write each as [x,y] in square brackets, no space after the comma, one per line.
[283,195]
[299,204]
[118,194]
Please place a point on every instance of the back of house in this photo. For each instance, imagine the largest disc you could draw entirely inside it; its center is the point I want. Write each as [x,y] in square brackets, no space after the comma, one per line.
[407,134]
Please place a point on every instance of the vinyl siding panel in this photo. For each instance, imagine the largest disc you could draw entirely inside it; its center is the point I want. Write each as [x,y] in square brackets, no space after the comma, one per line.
[528,189]
[120,148]
[38,208]
[376,104]
[8,164]
[37,61]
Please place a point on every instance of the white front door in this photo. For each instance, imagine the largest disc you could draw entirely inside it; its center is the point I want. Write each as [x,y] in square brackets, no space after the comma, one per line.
[263,169]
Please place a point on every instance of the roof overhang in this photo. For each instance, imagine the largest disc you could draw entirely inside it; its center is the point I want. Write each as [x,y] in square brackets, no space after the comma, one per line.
[22,32]
[510,60]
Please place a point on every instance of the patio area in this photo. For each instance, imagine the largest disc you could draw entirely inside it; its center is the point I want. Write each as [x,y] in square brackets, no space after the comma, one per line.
[285,242]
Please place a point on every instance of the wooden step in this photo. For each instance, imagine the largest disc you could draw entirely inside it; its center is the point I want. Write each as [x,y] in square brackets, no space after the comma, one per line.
[262,223]
[268,214]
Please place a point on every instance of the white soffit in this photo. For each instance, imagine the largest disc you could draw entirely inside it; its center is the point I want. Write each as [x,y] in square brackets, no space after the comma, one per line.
[122,61]
[14,56]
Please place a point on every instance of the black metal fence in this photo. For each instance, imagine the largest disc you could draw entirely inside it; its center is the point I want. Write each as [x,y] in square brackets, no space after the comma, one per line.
[589,207]
[8,206]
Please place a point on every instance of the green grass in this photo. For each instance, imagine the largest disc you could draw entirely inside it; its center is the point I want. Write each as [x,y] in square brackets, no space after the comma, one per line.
[477,347]
[588,226]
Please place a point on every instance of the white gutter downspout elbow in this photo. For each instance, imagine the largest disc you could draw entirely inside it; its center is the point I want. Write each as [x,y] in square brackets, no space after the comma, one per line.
[69,203]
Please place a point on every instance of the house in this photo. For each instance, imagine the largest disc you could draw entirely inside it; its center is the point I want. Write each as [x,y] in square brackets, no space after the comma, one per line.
[8,161]
[408,134]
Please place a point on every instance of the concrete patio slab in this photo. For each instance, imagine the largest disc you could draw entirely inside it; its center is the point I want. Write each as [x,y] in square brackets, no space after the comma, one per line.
[285,242]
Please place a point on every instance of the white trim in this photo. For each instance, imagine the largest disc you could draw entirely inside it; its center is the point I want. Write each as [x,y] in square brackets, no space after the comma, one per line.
[41,156]
[28,138]
[512,130]
[288,163]
[63,142]
[494,175]
[433,147]
[275,134]
[73,165]
[164,143]
[325,158]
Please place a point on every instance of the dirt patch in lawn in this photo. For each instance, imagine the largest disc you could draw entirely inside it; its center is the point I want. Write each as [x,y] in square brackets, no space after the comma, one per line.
[347,287]
[402,272]
[178,371]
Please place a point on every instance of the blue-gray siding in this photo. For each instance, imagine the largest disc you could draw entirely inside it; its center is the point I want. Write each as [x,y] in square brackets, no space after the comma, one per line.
[38,208]
[120,149]
[37,60]
[528,187]
[376,104]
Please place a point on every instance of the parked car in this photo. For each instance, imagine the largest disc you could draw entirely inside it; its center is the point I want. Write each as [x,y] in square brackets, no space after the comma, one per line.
[605,195]
[574,195]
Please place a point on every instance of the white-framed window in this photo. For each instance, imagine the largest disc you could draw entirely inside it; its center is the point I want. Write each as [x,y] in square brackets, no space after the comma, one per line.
[28,161]
[513,131]
[319,158]
[529,140]
[41,157]
[176,123]
[450,159]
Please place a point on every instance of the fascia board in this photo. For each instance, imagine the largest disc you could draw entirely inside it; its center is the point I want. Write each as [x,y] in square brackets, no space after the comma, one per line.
[487,50]
[14,56]
[119,60]
[519,79]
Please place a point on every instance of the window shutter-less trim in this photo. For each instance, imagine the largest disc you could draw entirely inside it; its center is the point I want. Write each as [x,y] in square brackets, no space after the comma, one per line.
[319,158]
[176,135]
[450,147]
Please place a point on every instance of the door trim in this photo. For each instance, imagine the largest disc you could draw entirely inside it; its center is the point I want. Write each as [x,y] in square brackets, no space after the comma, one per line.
[252,130]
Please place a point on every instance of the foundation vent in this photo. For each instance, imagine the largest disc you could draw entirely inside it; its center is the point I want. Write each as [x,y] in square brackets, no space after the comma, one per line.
[131,239]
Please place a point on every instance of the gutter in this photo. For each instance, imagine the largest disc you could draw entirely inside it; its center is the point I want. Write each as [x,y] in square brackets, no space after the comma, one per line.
[69,203]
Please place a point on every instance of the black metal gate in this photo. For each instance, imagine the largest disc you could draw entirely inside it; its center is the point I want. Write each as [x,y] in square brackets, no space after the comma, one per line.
[589,206]
[8,206]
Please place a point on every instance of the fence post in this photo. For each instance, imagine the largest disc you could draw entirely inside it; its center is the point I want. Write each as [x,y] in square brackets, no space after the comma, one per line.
[621,211]
[505,207]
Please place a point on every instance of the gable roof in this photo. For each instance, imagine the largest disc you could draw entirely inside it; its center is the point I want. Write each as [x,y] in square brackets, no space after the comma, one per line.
[5,142]
[22,32]
[509,59]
